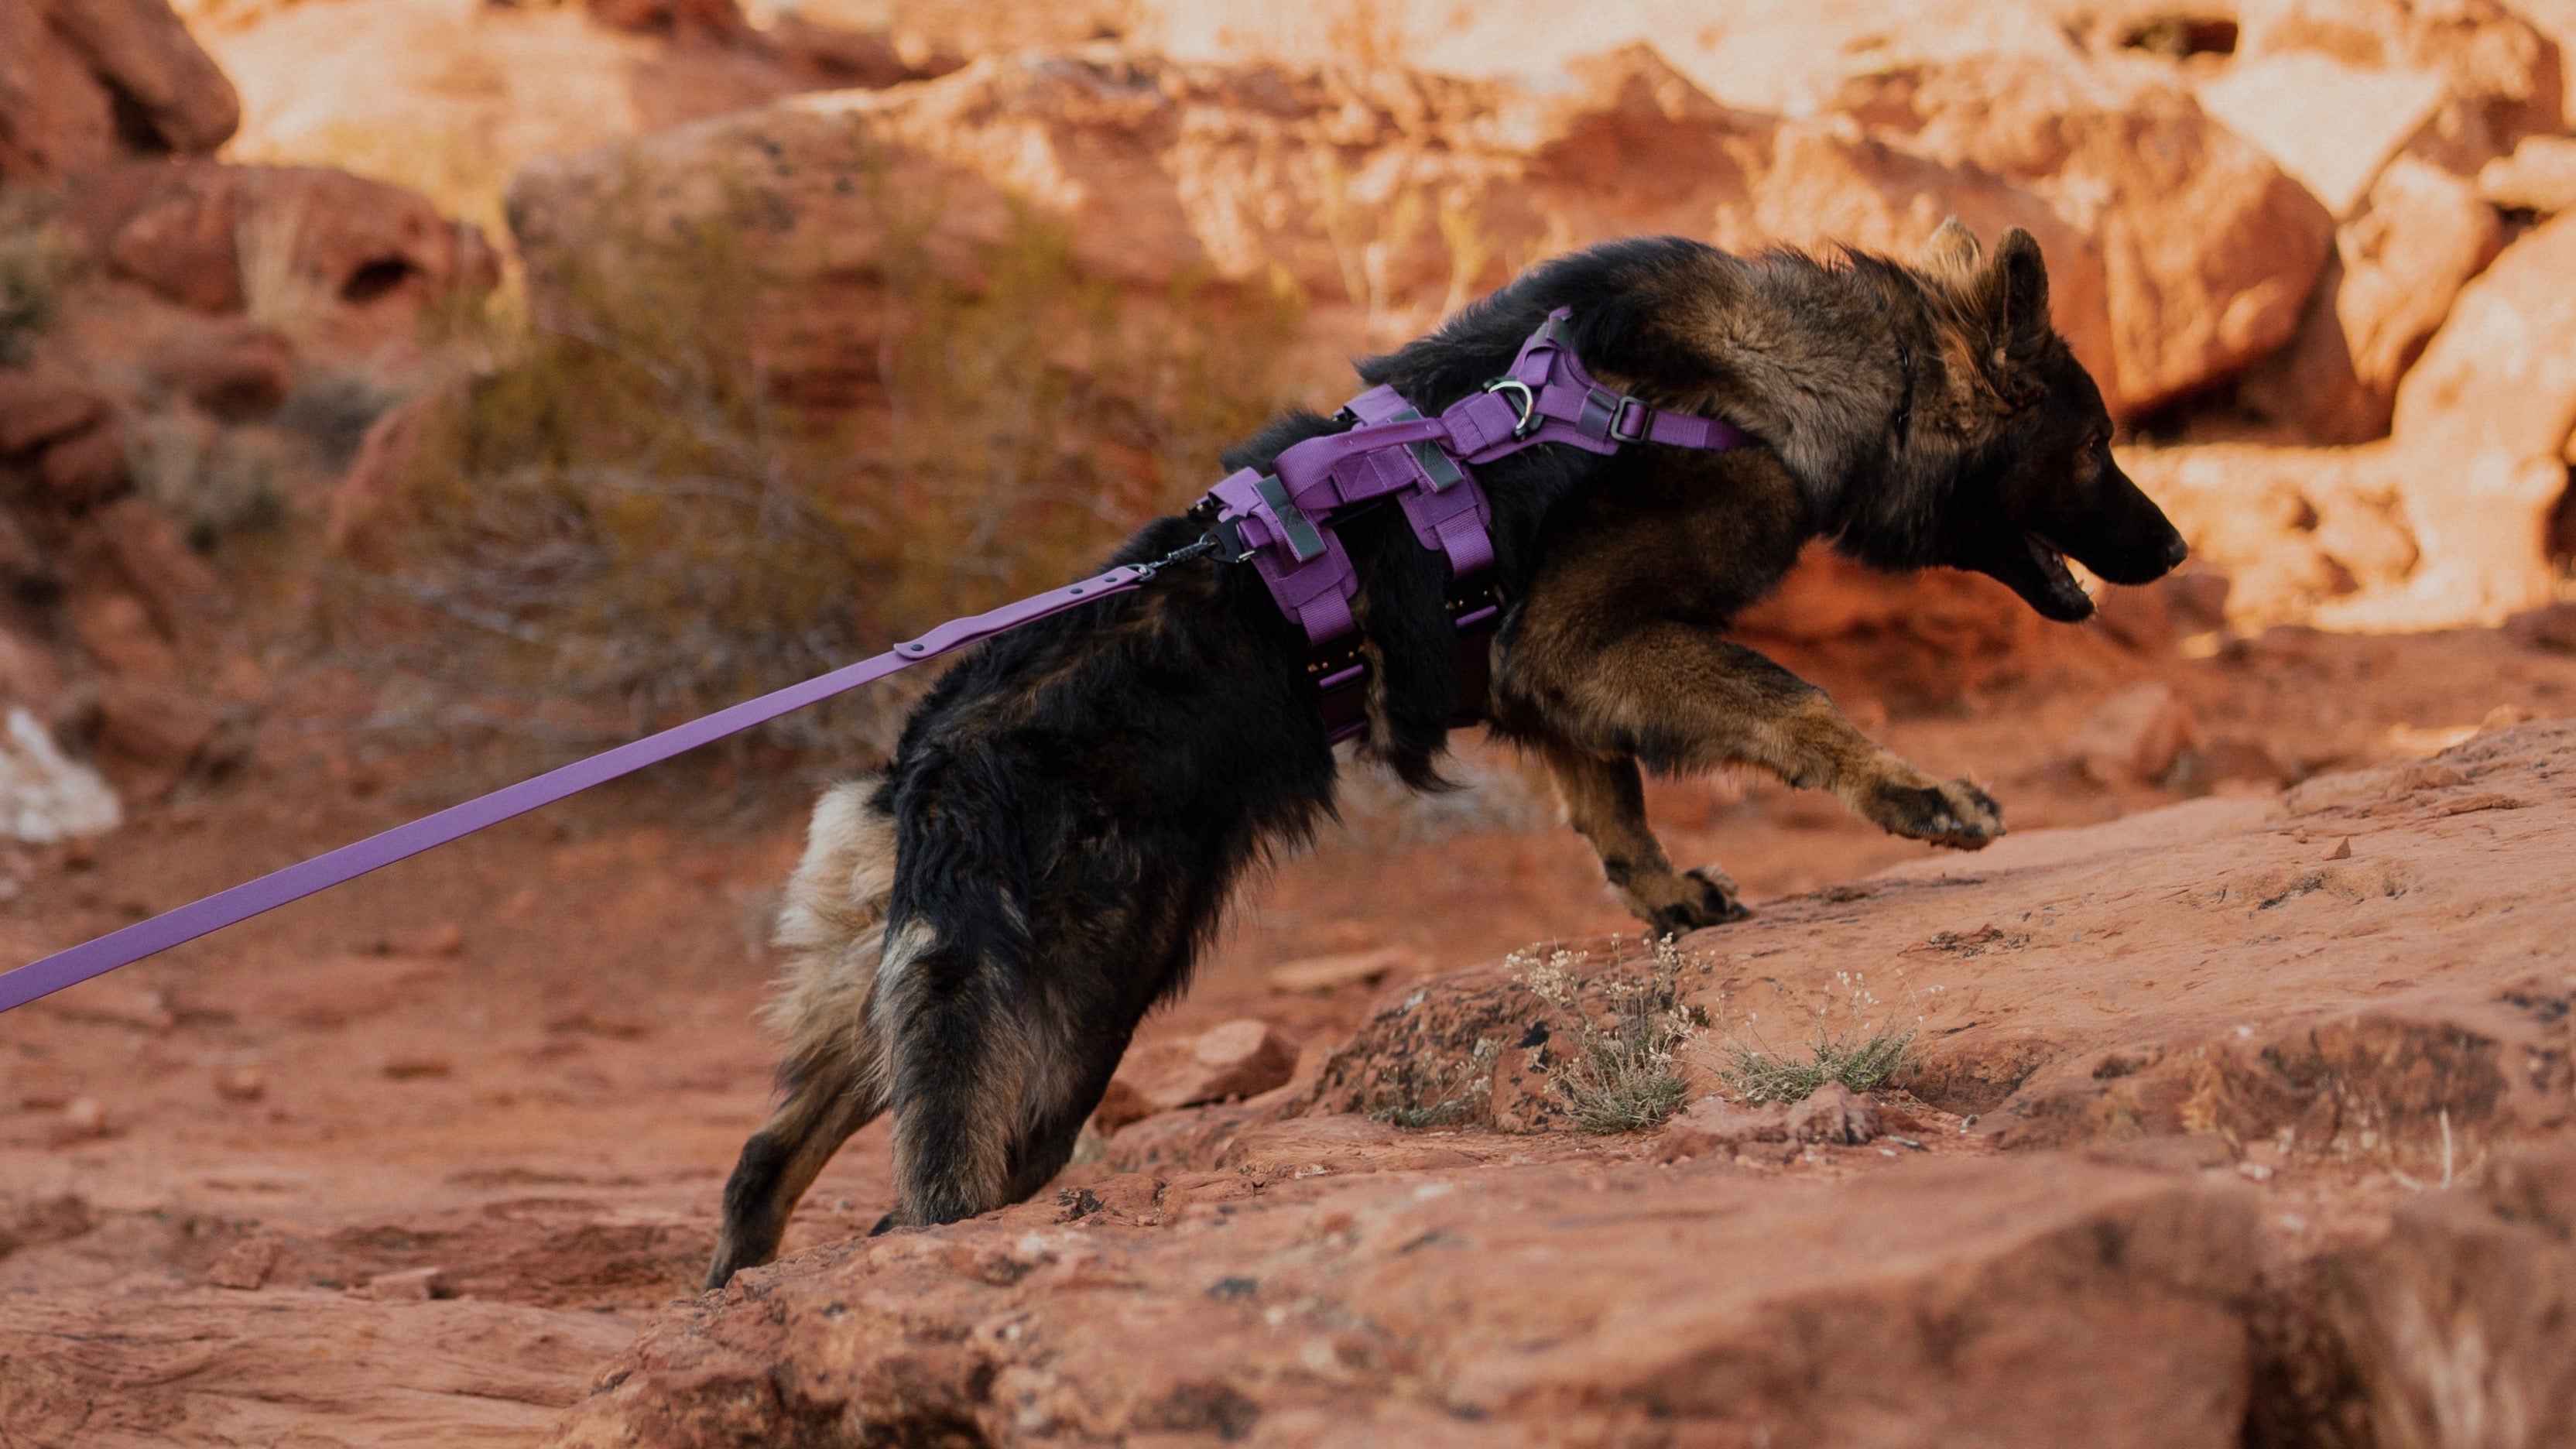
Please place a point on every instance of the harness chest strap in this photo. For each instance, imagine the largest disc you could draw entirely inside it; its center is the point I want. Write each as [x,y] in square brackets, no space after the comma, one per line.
[1282,520]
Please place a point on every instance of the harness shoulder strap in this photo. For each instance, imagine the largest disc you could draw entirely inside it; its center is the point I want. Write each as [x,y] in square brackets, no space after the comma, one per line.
[1281,521]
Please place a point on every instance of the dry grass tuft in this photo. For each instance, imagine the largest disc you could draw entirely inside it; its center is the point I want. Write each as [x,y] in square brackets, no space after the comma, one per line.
[1430,1095]
[1856,1044]
[1864,1065]
[1623,1074]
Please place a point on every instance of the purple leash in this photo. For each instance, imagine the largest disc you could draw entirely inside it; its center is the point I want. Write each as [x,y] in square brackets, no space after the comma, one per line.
[241,902]
[1281,522]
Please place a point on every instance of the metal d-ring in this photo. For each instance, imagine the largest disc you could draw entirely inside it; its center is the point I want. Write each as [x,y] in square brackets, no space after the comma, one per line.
[1528,409]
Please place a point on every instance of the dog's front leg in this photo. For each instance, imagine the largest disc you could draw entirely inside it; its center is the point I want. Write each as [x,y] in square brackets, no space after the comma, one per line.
[1605,801]
[1683,699]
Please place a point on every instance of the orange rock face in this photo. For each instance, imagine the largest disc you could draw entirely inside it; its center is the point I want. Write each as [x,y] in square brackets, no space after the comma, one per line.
[1392,197]
[84,83]
[2448,520]
[352,263]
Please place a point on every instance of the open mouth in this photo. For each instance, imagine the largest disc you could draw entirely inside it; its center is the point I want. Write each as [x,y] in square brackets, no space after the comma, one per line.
[2060,595]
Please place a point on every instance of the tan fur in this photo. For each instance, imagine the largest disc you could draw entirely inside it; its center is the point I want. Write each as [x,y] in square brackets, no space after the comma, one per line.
[831,927]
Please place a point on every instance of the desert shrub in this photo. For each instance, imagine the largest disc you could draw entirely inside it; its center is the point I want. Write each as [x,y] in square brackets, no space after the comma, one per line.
[1855,1042]
[35,261]
[1623,1072]
[628,518]
[333,408]
[215,481]
[1427,1092]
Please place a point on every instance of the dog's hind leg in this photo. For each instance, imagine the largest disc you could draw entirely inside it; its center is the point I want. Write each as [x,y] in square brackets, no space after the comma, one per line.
[826,1102]
[958,1064]
[1606,802]
[831,927]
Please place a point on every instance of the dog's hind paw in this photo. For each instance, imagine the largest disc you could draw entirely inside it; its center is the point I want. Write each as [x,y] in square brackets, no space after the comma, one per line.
[1955,813]
[1689,901]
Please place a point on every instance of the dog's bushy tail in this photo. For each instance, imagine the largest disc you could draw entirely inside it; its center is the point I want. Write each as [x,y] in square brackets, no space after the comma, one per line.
[832,928]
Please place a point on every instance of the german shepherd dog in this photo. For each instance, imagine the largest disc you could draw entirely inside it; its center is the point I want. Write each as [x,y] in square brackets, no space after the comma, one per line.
[974,933]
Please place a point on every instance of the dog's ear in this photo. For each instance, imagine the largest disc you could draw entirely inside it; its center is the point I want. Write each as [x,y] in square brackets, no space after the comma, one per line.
[2010,301]
[1952,254]
[2018,289]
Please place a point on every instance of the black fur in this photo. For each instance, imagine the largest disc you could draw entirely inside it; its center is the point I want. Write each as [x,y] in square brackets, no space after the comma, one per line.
[1074,801]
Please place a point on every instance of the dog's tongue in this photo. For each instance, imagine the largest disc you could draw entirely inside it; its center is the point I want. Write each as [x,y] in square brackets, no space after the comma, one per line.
[2052,566]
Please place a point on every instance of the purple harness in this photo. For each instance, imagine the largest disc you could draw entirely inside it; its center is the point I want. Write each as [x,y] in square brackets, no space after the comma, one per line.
[1282,520]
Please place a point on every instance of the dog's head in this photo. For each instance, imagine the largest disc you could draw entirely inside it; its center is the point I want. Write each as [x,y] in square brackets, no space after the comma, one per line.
[2037,483]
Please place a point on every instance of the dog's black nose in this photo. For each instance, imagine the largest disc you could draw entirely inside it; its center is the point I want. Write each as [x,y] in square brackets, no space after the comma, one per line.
[2176,552]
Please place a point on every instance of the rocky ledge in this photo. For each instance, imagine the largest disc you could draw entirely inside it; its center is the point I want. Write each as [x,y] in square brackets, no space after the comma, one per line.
[2242,1122]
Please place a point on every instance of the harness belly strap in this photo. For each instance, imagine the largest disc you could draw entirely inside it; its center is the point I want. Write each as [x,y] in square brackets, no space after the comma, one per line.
[1282,520]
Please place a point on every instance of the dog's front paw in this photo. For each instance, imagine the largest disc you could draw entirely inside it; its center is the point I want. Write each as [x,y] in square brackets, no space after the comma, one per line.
[1689,901]
[1955,813]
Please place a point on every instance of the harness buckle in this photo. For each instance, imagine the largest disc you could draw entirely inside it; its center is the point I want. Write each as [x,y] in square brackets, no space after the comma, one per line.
[1645,414]
[1527,407]
[1227,537]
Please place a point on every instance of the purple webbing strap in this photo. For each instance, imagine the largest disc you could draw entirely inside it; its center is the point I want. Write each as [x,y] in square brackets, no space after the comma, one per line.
[240,903]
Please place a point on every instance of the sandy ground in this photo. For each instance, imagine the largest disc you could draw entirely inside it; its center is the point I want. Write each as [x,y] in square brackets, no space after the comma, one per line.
[526,1061]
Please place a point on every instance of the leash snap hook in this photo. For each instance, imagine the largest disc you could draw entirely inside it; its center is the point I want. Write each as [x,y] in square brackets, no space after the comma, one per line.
[1527,407]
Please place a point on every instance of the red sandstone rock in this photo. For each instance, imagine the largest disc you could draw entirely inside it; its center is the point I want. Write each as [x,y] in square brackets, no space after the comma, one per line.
[117,629]
[2399,262]
[348,263]
[245,1265]
[84,83]
[2135,737]
[2457,1321]
[183,591]
[2164,279]
[38,407]
[1314,1311]
[701,19]
[368,505]
[449,1374]
[85,468]
[2540,176]
[2447,523]
[182,242]
[1834,1115]
[157,725]
[28,675]
[2141,618]
[1357,968]
[236,373]
[410,1285]
[1716,1127]
[1237,1059]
